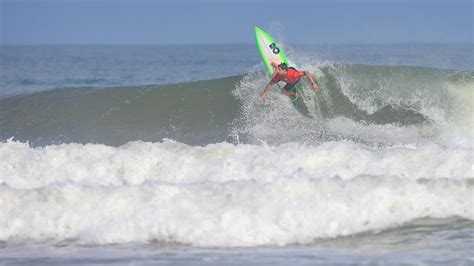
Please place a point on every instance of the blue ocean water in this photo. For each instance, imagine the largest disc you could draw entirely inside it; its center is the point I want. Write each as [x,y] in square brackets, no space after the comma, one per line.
[163,155]
[26,69]
[32,68]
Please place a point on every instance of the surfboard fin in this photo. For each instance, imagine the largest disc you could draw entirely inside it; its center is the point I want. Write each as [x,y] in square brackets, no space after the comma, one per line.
[294,97]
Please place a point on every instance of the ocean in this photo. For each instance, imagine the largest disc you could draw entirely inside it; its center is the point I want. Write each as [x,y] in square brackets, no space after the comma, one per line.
[164,155]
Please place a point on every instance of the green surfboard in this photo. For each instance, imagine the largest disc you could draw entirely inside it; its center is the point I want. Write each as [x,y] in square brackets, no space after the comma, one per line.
[271,52]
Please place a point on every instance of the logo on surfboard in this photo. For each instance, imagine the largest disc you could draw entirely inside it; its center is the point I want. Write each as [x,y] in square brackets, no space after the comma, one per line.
[274,48]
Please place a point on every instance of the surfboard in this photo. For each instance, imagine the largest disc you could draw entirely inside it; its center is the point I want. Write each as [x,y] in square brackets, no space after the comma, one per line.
[270,52]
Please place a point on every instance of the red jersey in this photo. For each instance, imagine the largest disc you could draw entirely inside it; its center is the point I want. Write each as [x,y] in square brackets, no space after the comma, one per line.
[292,77]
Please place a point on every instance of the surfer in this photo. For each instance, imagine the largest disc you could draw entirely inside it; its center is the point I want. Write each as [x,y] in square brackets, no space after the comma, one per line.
[289,75]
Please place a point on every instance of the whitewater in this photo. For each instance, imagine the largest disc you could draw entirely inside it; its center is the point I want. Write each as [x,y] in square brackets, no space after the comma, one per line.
[185,171]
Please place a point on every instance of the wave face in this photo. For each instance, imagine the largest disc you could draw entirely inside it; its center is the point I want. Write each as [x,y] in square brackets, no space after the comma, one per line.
[197,112]
[205,164]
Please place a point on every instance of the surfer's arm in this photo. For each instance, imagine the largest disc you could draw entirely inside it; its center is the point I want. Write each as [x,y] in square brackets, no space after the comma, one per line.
[275,65]
[267,88]
[313,82]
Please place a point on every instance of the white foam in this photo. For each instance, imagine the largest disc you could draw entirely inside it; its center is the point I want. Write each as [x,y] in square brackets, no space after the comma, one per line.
[24,167]
[223,194]
[458,130]
[445,103]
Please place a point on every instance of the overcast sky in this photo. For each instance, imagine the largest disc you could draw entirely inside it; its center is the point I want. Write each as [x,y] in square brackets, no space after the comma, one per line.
[25,22]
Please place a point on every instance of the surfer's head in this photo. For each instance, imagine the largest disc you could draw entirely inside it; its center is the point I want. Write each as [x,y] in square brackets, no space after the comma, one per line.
[283,66]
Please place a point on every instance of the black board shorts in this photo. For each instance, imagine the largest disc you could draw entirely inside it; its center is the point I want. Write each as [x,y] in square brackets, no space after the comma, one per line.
[290,87]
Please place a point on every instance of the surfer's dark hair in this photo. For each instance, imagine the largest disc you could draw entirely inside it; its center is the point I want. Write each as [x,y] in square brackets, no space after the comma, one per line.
[283,66]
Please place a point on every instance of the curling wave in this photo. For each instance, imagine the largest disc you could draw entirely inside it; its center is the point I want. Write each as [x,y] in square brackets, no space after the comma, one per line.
[371,104]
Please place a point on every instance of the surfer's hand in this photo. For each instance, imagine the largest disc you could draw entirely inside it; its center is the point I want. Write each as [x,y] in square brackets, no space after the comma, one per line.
[315,87]
[262,96]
